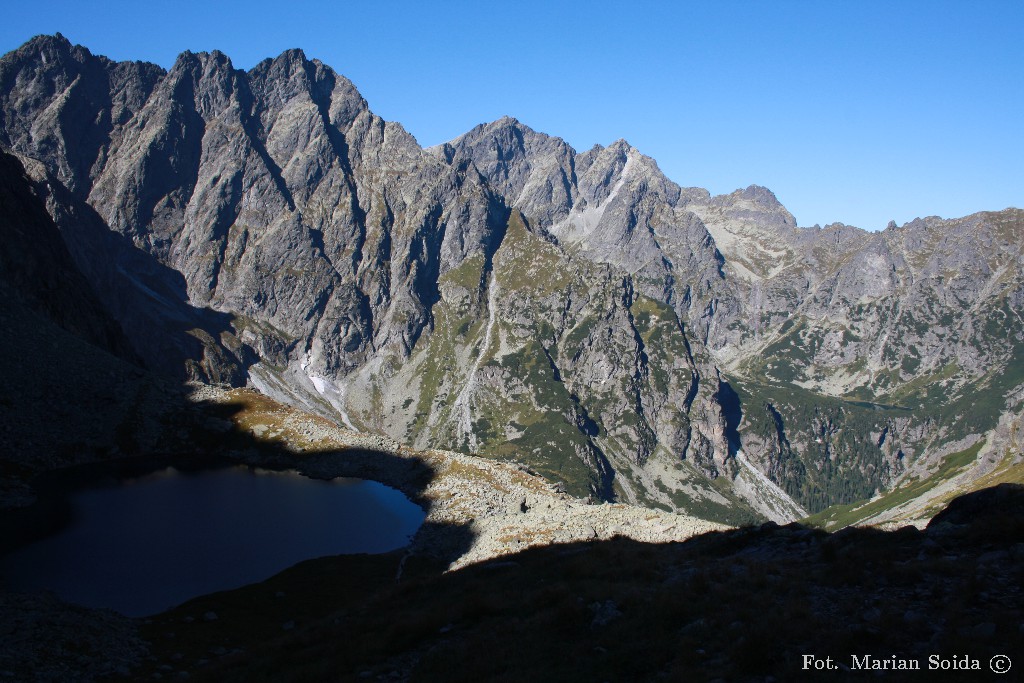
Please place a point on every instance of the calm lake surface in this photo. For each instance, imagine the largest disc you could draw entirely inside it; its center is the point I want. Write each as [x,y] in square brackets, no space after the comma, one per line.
[147,544]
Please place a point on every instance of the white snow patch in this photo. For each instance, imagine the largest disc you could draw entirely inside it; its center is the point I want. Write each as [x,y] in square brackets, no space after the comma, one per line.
[335,395]
[297,387]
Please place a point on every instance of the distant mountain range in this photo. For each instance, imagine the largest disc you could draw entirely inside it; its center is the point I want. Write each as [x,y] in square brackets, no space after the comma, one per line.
[506,295]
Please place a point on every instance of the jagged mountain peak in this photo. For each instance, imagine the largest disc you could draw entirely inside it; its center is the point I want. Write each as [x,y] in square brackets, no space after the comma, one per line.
[533,171]
[203,56]
[505,121]
[292,74]
[43,42]
[757,194]
[621,146]
[838,225]
[294,55]
[45,54]
[509,131]
[201,65]
[756,201]
[287,63]
[48,47]
[57,51]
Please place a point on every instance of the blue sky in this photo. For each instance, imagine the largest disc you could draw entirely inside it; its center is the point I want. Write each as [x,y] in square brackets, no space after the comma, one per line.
[859,112]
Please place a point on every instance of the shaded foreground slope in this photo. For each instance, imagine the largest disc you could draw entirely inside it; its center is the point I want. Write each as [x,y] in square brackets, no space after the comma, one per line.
[741,605]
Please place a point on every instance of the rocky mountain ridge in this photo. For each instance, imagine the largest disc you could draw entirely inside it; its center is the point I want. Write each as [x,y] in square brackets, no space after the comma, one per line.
[505,294]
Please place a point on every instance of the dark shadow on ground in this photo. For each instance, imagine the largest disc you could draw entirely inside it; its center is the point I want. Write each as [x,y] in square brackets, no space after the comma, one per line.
[745,605]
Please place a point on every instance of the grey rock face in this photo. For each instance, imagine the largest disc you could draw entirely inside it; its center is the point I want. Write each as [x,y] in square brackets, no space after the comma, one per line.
[507,294]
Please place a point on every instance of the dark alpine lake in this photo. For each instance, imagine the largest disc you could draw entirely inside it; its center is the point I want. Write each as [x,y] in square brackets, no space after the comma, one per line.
[143,545]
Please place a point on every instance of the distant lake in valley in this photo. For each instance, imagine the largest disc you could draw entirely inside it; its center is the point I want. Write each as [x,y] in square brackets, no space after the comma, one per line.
[141,546]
